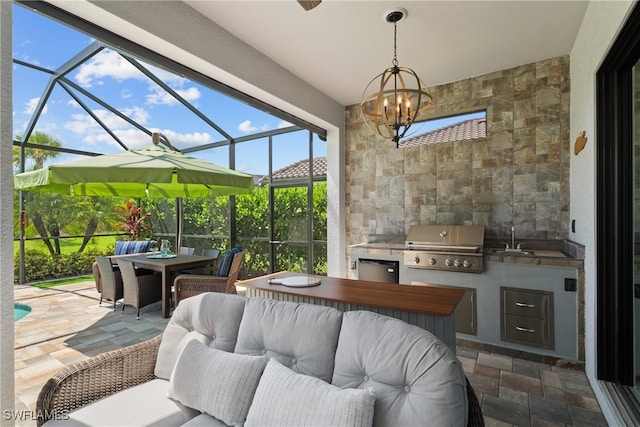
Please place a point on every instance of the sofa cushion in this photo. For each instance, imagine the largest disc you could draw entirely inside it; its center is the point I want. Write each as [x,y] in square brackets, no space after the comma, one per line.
[416,377]
[142,405]
[137,247]
[284,398]
[219,383]
[211,318]
[302,337]
[224,264]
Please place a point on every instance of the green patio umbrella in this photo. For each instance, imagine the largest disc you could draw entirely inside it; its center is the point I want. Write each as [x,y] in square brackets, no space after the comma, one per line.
[146,172]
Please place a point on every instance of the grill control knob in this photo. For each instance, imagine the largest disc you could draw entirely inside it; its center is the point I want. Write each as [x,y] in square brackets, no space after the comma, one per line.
[417,260]
[448,262]
[466,263]
[456,263]
[432,261]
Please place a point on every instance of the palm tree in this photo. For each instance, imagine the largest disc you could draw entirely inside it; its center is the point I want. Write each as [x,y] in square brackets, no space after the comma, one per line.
[37,203]
[99,210]
[36,156]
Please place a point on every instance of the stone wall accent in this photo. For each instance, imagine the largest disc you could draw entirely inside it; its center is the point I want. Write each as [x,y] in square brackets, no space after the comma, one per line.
[517,176]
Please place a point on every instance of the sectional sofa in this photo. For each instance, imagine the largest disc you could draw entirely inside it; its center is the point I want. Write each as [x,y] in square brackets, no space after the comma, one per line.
[230,360]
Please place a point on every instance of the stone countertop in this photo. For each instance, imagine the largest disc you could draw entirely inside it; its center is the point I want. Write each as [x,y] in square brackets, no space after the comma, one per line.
[548,253]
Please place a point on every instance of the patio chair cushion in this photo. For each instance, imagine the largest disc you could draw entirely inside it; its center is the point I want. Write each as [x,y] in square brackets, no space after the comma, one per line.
[211,318]
[415,375]
[284,398]
[142,405]
[141,246]
[302,337]
[224,265]
[219,383]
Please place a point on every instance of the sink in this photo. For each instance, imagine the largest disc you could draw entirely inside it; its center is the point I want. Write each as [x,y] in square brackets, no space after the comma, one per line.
[512,252]
[525,252]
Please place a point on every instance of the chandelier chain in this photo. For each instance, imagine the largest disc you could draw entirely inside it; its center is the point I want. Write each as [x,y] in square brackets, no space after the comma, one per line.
[395,43]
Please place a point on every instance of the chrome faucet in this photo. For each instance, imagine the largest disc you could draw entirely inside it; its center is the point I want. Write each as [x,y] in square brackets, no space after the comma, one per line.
[513,236]
[513,241]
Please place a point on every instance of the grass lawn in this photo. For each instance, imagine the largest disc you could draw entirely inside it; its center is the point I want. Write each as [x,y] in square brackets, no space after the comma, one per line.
[61,282]
[70,245]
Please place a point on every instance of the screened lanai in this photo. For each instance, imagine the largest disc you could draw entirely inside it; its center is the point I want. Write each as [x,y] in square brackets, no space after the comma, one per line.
[82,91]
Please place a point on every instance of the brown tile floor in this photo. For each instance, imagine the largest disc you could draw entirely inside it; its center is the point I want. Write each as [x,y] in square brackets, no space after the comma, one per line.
[66,325]
[519,392]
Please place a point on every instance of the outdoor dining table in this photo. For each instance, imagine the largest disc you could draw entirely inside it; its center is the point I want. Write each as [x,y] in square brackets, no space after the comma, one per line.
[168,265]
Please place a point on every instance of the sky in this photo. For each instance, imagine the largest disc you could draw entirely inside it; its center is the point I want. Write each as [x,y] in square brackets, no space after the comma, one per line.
[108,76]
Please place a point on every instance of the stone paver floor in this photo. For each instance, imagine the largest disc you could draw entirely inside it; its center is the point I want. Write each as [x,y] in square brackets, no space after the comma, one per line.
[67,325]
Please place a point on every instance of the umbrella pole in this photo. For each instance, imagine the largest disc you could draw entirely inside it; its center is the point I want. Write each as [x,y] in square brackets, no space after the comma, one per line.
[180,215]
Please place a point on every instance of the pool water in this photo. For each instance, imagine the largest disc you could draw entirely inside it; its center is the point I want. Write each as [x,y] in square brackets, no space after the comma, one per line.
[19,311]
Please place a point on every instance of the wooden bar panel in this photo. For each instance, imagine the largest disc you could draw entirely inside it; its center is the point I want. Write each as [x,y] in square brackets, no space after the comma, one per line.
[429,308]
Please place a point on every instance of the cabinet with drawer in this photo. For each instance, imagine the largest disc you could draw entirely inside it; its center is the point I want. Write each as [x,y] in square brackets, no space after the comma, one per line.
[466,311]
[527,317]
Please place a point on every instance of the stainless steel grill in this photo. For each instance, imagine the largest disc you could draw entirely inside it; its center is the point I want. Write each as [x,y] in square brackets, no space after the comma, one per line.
[445,247]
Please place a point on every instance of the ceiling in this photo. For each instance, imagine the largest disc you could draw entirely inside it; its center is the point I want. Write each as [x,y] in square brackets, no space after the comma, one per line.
[339,46]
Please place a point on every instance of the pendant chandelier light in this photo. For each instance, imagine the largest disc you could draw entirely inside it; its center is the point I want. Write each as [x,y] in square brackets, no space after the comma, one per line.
[393,99]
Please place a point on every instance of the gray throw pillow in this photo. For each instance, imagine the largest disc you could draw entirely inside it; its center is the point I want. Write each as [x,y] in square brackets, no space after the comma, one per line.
[286,398]
[216,382]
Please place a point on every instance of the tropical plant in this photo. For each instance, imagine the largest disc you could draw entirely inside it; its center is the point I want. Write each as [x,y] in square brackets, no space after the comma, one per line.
[133,218]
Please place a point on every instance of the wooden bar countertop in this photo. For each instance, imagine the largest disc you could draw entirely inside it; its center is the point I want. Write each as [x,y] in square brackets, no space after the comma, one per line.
[419,299]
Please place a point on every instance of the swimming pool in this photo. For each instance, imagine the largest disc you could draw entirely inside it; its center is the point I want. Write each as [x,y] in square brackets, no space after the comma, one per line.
[19,311]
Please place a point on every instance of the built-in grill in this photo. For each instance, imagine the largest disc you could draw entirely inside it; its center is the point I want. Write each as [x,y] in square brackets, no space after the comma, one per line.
[445,247]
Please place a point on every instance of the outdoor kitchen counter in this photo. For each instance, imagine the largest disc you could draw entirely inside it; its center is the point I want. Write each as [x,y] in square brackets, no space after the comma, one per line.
[429,308]
[552,267]
[568,256]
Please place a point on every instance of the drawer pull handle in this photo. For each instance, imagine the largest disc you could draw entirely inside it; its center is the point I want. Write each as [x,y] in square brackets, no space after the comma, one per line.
[519,329]
[522,304]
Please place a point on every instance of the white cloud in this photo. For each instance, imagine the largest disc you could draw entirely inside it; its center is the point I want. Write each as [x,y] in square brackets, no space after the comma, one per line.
[158,96]
[185,139]
[81,123]
[107,63]
[132,138]
[190,94]
[169,78]
[31,105]
[247,127]
[92,133]
[137,114]
[284,124]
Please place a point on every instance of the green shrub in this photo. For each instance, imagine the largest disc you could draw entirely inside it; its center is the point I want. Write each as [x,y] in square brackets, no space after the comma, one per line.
[41,266]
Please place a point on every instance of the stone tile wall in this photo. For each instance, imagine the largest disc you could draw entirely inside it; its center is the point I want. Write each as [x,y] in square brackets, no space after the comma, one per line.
[517,176]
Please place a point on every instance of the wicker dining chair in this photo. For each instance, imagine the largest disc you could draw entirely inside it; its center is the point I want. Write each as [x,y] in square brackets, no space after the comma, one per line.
[139,289]
[184,250]
[188,285]
[110,286]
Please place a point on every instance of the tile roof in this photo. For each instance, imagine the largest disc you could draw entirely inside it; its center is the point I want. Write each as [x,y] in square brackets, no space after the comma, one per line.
[299,170]
[469,129]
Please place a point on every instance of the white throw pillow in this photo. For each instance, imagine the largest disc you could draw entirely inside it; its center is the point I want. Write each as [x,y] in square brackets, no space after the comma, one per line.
[286,398]
[219,383]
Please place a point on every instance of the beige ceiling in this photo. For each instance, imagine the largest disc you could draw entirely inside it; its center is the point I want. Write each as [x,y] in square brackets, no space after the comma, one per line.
[339,46]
